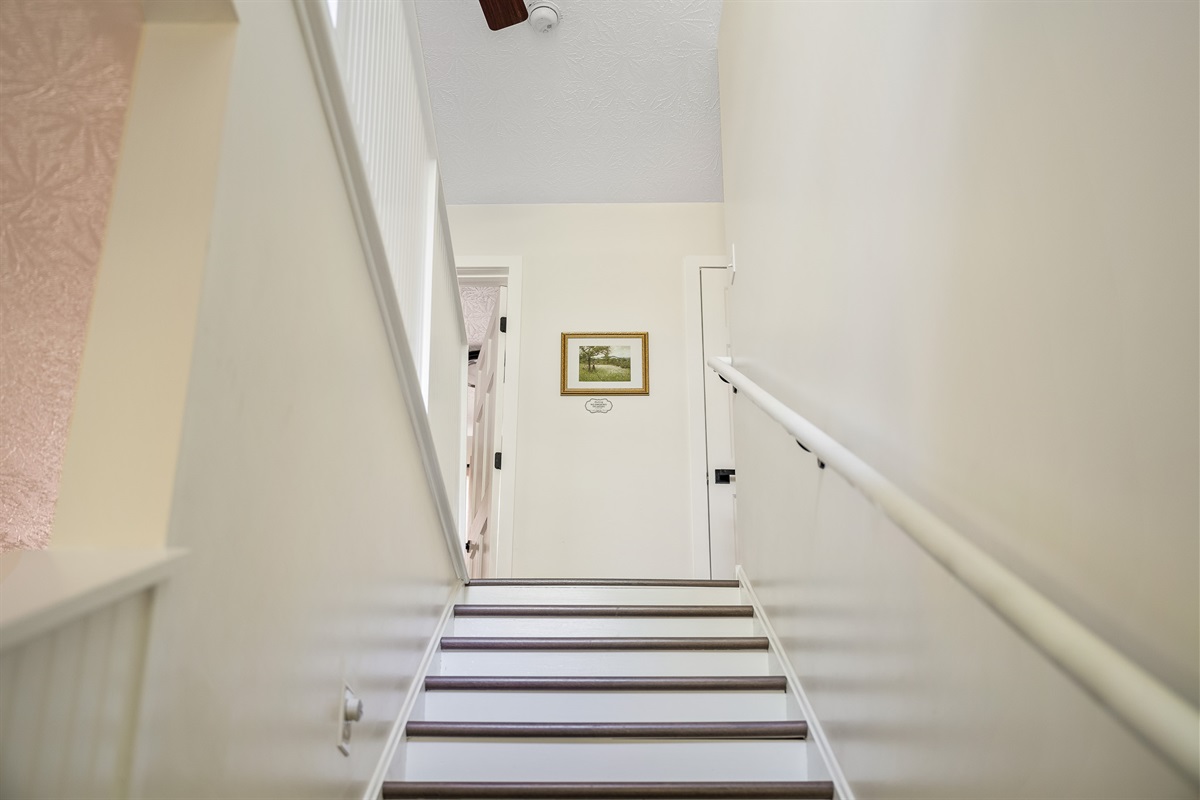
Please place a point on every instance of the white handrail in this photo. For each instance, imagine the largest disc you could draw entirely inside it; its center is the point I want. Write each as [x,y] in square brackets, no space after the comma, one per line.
[318,40]
[1168,722]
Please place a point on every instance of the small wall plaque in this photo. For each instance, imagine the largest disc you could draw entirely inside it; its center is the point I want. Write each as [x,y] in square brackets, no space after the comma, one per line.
[598,405]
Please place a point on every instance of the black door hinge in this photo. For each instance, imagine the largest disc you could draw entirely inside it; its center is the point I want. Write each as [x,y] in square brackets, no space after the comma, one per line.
[504,324]
[497,461]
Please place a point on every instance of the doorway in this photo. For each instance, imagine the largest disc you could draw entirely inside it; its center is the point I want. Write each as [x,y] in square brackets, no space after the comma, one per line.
[712,477]
[490,289]
[485,309]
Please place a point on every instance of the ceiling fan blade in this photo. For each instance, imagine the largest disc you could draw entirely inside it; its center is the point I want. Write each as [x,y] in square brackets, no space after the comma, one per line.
[501,14]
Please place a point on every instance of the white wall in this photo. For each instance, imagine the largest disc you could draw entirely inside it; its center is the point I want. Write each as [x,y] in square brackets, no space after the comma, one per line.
[967,248]
[598,495]
[316,552]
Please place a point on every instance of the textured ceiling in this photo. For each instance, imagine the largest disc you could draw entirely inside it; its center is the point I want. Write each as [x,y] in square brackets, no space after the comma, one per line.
[479,303]
[618,104]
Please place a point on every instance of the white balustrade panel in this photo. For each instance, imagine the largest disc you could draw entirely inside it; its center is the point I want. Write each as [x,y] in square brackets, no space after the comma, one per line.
[383,75]
[384,81]
[447,385]
[69,704]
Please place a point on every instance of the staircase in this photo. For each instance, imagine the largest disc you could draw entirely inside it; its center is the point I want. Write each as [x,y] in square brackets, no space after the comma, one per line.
[605,689]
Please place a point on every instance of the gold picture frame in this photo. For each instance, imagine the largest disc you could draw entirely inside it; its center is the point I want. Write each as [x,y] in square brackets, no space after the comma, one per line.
[605,363]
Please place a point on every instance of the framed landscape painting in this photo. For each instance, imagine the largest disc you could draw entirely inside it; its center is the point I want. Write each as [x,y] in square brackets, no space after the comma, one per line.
[605,363]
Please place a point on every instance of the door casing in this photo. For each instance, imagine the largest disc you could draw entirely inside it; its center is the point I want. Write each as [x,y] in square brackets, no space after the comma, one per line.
[697,435]
[505,271]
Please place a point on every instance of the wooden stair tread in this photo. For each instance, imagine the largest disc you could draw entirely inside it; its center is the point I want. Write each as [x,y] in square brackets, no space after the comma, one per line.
[800,790]
[788,729]
[721,584]
[776,683]
[605,643]
[469,610]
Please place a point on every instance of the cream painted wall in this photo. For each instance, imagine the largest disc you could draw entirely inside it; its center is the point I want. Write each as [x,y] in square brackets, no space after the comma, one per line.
[967,248]
[119,466]
[598,495]
[316,556]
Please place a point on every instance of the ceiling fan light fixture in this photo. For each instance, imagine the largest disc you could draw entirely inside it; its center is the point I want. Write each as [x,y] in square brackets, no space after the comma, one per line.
[544,15]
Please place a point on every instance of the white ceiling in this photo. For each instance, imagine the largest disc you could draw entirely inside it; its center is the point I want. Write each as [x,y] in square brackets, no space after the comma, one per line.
[618,104]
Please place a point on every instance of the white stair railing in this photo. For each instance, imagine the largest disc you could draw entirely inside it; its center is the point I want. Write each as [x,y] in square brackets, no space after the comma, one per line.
[371,80]
[1168,722]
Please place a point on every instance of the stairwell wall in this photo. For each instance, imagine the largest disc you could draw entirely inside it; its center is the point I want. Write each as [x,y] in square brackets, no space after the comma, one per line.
[598,495]
[316,553]
[967,249]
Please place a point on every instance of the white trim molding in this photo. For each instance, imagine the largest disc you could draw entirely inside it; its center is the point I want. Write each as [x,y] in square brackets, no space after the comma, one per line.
[318,38]
[693,349]
[396,736]
[1167,722]
[830,768]
[41,590]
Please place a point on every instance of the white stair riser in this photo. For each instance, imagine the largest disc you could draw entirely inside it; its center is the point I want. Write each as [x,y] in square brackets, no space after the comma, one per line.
[594,626]
[603,595]
[484,706]
[603,663]
[605,760]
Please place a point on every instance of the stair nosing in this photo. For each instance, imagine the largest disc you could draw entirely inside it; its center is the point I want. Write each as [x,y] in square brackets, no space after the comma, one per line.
[754,683]
[601,611]
[656,790]
[772,730]
[615,643]
[718,584]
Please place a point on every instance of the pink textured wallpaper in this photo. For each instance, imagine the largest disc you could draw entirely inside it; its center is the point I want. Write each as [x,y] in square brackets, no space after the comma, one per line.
[66,70]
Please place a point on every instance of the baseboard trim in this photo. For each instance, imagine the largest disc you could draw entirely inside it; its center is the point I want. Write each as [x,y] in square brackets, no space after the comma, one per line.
[374,790]
[816,734]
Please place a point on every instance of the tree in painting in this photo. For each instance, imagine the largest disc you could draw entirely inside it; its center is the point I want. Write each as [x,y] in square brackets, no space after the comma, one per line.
[606,363]
[588,356]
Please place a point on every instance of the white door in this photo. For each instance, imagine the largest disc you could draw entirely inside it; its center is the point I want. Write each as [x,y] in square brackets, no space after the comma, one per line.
[486,456]
[718,425]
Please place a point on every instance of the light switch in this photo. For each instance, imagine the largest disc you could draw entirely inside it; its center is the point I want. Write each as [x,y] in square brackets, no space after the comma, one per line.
[351,711]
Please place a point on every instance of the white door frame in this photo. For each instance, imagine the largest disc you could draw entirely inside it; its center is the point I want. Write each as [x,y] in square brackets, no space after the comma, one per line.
[503,270]
[693,348]
[487,410]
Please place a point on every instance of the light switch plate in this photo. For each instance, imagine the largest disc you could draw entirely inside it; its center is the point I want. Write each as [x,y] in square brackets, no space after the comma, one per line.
[343,723]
